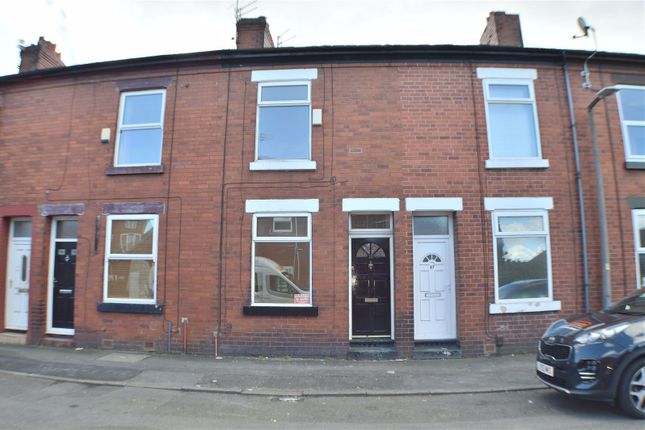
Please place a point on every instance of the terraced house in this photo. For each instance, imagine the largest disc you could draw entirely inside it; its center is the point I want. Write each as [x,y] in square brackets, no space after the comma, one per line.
[319,201]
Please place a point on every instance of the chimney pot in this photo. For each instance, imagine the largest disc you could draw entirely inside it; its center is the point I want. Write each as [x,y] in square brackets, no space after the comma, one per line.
[502,30]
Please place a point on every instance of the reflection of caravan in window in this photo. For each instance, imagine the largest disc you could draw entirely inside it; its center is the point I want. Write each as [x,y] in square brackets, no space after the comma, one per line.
[272,284]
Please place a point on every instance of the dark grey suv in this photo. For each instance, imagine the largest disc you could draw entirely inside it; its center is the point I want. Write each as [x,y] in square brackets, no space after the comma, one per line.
[599,355]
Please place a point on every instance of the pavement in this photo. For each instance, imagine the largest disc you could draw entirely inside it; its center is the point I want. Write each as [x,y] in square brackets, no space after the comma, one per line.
[282,377]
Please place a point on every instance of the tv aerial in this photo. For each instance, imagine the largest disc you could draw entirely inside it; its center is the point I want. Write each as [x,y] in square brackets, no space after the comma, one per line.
[281,40]
[245,9]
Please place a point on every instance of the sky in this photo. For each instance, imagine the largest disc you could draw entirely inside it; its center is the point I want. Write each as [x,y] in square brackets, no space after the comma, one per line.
[88,31]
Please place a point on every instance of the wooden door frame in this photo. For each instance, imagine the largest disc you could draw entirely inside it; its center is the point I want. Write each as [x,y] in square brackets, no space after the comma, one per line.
[50,275]
[451,246]
[373,234]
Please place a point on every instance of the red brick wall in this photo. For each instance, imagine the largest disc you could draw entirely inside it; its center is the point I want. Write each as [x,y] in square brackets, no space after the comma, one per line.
[389,130]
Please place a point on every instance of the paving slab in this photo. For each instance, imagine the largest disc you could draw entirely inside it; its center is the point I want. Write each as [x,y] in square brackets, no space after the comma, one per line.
[275,376]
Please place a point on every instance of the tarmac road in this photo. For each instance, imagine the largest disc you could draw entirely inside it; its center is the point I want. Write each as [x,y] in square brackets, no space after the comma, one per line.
[34,403]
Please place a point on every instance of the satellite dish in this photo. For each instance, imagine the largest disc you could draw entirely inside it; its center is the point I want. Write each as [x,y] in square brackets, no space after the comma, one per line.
[583,25]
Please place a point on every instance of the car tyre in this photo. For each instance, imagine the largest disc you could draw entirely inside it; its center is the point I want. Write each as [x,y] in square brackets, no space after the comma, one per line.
[631,395]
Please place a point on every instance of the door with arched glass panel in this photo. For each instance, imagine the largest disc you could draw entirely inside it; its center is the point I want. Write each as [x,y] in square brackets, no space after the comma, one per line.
[434,289]
[371,287]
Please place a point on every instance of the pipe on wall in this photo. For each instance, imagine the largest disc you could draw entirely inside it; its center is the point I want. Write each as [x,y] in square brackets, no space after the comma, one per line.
[581,204]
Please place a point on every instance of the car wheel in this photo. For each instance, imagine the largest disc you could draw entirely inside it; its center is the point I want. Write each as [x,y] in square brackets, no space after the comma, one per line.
[631,396]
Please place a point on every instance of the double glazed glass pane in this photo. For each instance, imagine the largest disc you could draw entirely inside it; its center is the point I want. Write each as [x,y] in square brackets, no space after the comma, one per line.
[283,132]
[498,91]
[140,146]
[640,230]
[282,226]
[371,221]
[430,225]
[132,237]
[636,139]
[22,229]
[633,104]
[142,109]
[522,268]
[514,224]
[512,130]
[130,279]
[66,229]
[285,93]
[282,273]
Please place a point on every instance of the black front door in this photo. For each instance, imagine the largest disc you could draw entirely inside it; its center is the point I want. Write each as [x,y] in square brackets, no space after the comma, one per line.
[371,287]
[63,294]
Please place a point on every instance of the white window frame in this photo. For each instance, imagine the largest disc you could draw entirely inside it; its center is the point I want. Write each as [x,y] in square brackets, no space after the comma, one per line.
[273,239]
[143,126]
[116,256]
[525,77]
[521,206]
[288,77]
[638,250]
[624,124]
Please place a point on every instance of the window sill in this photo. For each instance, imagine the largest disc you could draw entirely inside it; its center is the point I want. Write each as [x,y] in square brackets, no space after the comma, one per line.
[130,308]
[635,165]
[282,165]
[133,170]
[522,307]
[281,311]
[517,164]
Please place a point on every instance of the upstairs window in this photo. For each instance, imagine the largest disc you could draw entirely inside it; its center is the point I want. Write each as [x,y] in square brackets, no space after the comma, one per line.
[631,105]
[283,128]
[511,118]
[140,130]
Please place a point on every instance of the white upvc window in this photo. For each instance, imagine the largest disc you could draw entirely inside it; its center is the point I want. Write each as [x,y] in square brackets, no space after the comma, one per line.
[130,274]
[511,118]
[521,255]
[139,138]
[281,259]
[283,120]
[631,106]
[639,241]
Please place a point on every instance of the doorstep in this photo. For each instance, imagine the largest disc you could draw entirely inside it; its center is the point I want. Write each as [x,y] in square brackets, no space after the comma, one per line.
[371,349]
[58,341]
[436,350]
[13,338]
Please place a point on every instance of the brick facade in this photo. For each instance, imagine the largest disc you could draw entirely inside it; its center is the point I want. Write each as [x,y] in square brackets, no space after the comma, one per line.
[390,129]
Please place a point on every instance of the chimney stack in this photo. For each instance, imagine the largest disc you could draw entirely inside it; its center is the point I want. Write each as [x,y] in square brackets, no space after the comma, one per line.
[502,30]
[253,33]
[40,56]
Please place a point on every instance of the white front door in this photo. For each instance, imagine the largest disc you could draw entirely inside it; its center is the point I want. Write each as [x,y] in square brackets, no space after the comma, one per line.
[17,304]
[434,289]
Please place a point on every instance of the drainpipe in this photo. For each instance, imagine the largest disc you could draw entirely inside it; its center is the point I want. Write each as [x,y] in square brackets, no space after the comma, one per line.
[600,196]
[581,204]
